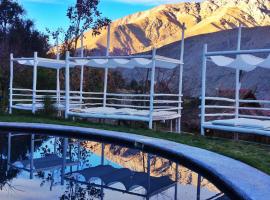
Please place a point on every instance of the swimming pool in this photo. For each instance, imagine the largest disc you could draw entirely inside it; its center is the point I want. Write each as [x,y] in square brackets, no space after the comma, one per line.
[47,166]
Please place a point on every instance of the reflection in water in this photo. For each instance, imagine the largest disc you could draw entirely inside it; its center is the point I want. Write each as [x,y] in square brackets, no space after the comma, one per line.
[45,167]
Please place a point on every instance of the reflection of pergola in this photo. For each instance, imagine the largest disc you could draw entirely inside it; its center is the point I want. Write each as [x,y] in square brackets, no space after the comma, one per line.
[50,162]
[109,175]
[239,60]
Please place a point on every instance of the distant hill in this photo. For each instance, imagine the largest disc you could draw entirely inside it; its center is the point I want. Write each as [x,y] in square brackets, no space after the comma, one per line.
[258,80]
[160,26]
[212,22]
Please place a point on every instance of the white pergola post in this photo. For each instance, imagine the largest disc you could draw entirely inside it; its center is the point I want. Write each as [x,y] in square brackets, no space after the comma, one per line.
[11,84]
[67,89]
[106,69]
[58,82]
[34,83]
[204,65]
[58,88]
[82,72]
[180,86]
[152,89]
[237,75]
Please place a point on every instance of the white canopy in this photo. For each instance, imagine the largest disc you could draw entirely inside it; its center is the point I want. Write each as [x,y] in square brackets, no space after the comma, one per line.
[130,63]
[45,62]
[245,62]
[265,63]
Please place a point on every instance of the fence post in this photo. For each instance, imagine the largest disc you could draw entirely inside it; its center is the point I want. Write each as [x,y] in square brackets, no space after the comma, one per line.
[34,83]
[67,85]
[152,89]
[204,60]
[11,84]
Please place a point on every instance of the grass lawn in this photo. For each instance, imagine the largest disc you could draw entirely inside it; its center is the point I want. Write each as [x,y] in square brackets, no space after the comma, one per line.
[256,155]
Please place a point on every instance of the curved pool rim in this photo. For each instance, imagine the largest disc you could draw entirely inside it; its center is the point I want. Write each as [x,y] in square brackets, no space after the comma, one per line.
[238,180]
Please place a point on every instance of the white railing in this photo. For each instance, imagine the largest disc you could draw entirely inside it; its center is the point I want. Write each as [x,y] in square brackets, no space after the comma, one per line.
[162,102]
[218,107]
[21,96]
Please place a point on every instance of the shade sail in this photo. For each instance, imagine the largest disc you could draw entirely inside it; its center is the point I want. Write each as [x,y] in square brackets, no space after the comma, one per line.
[265,63]
[128,63]
[45,62]
[245,62]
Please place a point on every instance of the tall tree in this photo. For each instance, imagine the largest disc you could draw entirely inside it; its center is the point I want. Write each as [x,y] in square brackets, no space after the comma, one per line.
[82,16]
[19,36]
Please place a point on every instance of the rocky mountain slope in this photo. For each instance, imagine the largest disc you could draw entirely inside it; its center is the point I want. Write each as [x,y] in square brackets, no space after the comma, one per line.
[160,26]
[212,22]
[206,22]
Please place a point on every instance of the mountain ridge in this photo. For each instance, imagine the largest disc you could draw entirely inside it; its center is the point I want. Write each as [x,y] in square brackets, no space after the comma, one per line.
[161,25]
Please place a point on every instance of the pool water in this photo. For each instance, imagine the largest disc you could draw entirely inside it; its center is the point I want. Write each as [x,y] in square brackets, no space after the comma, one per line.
[42,166]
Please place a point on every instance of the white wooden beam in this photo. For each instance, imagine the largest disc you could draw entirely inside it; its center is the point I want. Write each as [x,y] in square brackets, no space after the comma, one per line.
[82,71]
[67,84]
[203,78]
[237,75]
[34,83]
[106,69]
[152,89]
[180,86]
[11,84]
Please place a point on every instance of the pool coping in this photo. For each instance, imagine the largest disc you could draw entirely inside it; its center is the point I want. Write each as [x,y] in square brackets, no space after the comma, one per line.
[238,179]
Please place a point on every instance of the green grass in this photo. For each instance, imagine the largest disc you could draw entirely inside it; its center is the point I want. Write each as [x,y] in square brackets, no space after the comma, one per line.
[256,155]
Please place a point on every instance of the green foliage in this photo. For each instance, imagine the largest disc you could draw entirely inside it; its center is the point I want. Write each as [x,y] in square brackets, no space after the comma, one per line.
[49,109]
[18,36]
[116,81]
[82,16]
[3,104]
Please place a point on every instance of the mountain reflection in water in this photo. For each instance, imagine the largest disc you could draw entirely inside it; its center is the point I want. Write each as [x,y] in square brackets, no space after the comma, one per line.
[35,166]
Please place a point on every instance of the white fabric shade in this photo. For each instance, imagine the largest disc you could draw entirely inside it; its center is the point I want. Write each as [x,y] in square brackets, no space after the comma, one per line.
[45,62]
[245,62]
[265,63]
[127,63]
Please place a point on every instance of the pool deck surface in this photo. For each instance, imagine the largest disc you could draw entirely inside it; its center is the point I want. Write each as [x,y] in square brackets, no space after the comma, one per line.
[243,180]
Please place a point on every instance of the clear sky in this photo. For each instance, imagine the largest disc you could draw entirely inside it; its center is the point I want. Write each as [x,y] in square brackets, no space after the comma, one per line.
[52,13]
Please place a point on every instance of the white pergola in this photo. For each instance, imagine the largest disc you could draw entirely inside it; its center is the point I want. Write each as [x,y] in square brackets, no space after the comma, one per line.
[234,121]
[20,98]
[118,111]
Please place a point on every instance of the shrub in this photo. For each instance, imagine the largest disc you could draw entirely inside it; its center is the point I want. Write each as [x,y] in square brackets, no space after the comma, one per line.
[48,109]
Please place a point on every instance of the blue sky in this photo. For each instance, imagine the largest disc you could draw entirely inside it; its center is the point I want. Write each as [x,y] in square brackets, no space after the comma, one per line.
[51,13]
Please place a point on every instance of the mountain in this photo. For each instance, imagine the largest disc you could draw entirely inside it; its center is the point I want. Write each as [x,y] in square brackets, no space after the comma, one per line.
[213,22]
[160,26]
[218,78]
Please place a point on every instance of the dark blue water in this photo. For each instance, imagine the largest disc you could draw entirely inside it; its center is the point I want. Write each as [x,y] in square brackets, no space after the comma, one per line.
[43,167]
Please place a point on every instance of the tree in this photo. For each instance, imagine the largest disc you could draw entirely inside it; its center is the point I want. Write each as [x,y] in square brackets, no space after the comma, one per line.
[84,15]
[10,13]
[19,36]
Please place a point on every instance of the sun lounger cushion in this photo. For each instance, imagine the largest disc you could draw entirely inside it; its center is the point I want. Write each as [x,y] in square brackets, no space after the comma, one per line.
[244,122]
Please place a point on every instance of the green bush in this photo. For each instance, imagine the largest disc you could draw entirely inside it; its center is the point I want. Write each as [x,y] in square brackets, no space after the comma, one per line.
[48,109]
